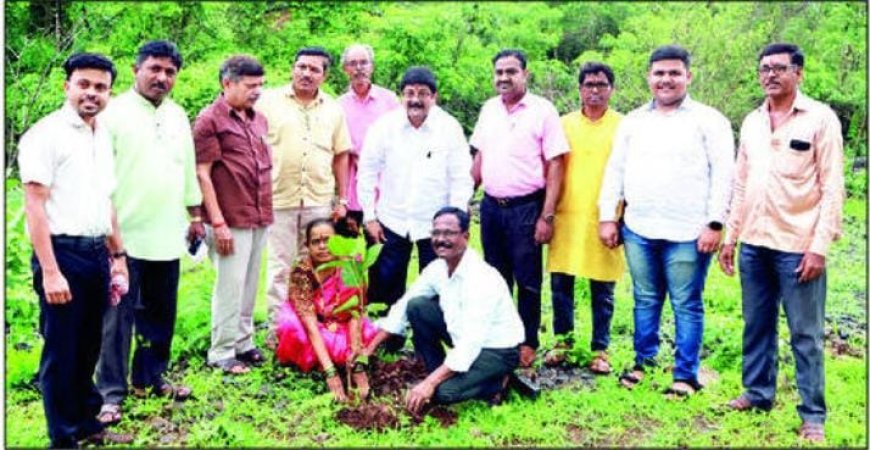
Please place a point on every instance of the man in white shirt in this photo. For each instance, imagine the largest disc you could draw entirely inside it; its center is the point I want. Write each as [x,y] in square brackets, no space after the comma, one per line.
[66,166]
[672,163]
[460,300]
[415,160]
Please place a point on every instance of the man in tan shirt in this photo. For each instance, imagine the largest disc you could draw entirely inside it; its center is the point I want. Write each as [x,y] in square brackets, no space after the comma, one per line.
[786,211]
[310,142]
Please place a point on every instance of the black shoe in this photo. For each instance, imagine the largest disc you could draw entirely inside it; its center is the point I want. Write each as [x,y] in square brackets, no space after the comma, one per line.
[524,385]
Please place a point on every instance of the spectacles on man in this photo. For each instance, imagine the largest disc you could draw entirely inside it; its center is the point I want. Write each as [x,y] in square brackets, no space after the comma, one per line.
[777,69]
[422,93]
[360,63]
[449,234]
[595,85]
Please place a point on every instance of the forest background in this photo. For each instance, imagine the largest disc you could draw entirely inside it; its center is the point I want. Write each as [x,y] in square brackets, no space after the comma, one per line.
[457,41]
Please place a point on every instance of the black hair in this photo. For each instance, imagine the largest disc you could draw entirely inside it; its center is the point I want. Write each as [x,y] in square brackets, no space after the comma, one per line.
[89,61]
[593,67]
[159,49]
[797,57]
[239,66]
[460,214]
[419,75]
[315,51]
[518,54]
[316,222]
[670,52]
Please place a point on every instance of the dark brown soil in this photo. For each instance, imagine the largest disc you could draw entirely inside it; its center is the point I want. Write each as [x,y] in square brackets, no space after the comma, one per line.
[389,383]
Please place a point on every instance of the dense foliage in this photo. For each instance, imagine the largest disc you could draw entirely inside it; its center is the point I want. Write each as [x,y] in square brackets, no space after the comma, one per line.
[457,40]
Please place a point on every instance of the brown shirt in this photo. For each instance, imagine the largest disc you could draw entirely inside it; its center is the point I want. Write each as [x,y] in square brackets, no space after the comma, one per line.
[788,184]
[242,169]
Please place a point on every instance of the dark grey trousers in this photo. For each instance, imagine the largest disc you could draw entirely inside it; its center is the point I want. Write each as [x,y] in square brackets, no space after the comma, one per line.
[482,380]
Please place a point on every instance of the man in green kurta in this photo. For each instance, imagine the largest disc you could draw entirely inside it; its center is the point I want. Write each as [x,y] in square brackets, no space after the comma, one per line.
[575,250]
[155,168]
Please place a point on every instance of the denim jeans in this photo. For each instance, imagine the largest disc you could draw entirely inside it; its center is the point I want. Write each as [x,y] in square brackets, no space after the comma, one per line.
[678,269]
[507,235]
[768,277]
[481,381]
[562,287]
[72,333]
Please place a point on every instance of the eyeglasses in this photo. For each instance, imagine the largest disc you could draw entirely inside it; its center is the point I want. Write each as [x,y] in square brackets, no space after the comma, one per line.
[777,69]
[449,234]
[599,85]
[361,63]
[316,242]
[422,93]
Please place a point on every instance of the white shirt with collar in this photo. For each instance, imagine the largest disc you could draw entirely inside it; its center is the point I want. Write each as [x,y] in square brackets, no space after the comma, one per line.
[75,162]
[415,171]
[478,308]
[674,170]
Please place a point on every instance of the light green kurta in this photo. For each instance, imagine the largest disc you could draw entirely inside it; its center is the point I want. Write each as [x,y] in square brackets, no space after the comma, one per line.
[155,167]
[575,248]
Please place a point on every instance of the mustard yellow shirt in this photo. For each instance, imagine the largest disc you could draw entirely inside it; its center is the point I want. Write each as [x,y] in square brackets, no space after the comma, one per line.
[304,140]
[575,248]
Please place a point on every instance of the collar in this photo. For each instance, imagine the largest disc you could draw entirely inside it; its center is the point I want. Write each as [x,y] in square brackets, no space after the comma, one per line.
[522,103]
[427,123]
[801,103]
[602,119]
[469,259]
[72,117]
[289,92]
[145,102]
[371,95]
[686,105]
[224,108]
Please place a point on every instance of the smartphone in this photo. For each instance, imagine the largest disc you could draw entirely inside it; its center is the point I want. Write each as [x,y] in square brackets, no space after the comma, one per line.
[194,245]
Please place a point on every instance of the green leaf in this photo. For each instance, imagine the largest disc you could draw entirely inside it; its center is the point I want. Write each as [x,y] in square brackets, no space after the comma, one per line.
[350,277]
[375,308]
[331,264]
[372,255]
[341,246]
[352,302]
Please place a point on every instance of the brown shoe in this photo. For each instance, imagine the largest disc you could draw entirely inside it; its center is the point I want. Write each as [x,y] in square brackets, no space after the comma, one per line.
[107,437]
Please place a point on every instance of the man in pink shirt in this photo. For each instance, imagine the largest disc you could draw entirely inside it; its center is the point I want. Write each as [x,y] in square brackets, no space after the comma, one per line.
[786,211]
[519,145]
[363,103]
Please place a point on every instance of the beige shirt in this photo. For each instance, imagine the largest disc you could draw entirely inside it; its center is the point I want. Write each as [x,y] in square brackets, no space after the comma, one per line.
[304,140]
[788,186]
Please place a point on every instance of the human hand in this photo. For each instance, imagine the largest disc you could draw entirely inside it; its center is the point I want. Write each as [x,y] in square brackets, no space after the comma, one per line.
[373,228]
[195,230]
[726,259]
[608,233]
[337,389]
[224,240]
[811,267]
[543,231]
[361,381]
[338,212]
[419,396]
[56,288]
[708,241]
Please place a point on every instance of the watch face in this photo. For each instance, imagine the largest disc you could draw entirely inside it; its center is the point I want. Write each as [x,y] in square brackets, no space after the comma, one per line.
[715,226]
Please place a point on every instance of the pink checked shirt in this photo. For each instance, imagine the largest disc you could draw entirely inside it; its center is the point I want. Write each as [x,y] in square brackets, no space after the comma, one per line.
[514,144]
[360,114]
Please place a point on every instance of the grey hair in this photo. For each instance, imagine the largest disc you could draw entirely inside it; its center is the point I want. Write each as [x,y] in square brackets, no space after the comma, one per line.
[368,48]
[238,66]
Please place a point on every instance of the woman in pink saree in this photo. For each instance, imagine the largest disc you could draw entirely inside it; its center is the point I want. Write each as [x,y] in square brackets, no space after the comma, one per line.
[309,330]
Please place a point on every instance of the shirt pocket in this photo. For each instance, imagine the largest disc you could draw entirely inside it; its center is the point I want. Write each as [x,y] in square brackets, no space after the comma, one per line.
[435,164]
[795,157]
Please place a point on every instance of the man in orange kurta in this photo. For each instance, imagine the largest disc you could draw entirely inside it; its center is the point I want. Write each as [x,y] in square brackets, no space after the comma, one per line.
[575,250]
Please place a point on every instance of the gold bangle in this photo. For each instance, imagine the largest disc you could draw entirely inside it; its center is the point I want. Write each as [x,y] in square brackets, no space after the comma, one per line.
[196,219]
[330,372]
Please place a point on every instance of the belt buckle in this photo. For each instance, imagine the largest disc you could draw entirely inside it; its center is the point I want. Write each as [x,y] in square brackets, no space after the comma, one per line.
[502,201]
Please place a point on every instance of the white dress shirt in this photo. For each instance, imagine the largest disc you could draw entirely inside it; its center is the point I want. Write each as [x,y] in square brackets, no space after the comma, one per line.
[478,308]
[414,171]
[674,170]
[63,153]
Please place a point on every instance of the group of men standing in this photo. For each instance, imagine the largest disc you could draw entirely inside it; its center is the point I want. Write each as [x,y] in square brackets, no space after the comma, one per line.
[260,164]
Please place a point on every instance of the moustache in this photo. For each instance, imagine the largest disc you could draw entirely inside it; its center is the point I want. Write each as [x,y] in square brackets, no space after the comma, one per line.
[443,245]
[415,105]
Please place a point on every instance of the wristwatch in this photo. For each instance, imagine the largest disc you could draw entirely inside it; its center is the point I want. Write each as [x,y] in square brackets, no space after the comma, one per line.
[118,255]
[715,226]
[343,202]
[549,218]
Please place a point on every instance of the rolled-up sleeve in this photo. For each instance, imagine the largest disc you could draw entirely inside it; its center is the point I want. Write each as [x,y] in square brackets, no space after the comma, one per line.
[396,321]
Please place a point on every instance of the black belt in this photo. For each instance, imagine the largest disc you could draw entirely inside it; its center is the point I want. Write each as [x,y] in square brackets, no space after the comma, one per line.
[80,242]
[506,202]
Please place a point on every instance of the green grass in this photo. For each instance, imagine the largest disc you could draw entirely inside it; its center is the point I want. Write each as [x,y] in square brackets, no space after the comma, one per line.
[276,406]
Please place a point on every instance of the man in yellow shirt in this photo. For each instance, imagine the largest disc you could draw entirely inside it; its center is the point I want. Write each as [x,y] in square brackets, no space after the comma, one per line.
[575,250]
[310,143]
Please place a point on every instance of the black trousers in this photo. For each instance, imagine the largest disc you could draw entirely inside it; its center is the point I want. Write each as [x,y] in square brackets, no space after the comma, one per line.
[481,381]
[72,333]
[154,292]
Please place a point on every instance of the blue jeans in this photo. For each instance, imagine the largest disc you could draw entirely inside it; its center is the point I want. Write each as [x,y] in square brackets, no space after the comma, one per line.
[768,277]
[507,235]
[562,287]
[678,269]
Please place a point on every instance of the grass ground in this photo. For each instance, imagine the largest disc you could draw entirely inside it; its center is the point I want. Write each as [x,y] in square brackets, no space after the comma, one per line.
[276,406]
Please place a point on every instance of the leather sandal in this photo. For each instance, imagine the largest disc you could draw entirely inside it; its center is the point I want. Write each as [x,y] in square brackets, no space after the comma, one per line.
[812,432]
[600,364]
[109,414]
[231,366]
[683,388]
[252,357]
[630,379]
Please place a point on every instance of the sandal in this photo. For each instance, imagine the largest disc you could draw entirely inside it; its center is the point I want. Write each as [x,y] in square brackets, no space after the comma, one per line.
[600,364]
[177,392]
[252,357]
[683,388]
[110,414]
[557,355]
[231,366]
[630,379]
[812,432]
